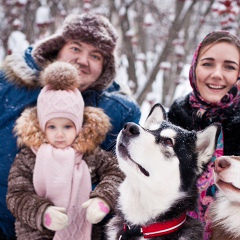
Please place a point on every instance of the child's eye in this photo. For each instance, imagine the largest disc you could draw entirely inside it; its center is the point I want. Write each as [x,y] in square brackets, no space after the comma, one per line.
[51,127]
[68,126]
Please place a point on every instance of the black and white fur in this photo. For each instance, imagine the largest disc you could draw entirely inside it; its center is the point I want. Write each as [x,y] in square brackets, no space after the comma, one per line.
[162,163]
[225,211]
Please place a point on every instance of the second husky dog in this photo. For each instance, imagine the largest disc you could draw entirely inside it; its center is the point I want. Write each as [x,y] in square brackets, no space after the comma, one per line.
[225,211]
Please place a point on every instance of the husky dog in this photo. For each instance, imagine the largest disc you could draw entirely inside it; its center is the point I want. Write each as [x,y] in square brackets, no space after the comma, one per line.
[225,211]
[161,162]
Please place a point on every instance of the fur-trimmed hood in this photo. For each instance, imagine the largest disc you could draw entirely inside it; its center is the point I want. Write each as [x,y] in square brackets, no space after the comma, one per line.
[21,70]
[95,126]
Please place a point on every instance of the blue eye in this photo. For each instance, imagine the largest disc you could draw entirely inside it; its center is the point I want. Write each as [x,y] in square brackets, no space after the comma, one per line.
[207,64]
[75,49]
[97,57]
[230,67]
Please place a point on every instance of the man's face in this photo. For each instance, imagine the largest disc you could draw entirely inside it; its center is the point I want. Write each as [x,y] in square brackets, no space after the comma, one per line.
[87,58]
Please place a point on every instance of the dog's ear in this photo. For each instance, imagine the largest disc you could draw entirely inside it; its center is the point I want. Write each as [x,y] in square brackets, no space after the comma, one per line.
[156,116]
[206,144]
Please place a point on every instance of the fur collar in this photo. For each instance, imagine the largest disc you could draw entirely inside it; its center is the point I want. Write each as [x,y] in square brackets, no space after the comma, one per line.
[95,126]
[18,72]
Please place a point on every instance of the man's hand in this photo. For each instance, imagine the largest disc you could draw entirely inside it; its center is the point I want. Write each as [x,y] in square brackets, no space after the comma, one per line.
[97,209]
[55,218]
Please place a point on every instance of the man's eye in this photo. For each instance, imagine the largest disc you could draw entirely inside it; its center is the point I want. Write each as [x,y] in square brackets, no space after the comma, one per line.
[97,57]
[75,49]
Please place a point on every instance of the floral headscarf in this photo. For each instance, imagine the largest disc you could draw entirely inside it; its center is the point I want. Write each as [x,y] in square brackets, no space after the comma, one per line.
[216,112]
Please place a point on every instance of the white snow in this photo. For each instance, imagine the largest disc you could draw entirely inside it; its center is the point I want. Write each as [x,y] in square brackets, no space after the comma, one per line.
[17,42]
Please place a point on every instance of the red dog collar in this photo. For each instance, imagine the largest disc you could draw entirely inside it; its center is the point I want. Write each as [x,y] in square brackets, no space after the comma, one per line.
[159,229]
[155,229]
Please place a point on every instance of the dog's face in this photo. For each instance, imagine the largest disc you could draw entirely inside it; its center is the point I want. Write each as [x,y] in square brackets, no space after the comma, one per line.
[227,176]
[162,156]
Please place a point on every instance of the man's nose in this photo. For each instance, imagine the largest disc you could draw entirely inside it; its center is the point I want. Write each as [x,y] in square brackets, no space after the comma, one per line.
[82,59]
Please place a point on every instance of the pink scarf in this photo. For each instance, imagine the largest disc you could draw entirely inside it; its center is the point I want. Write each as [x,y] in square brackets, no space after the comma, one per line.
[63,177]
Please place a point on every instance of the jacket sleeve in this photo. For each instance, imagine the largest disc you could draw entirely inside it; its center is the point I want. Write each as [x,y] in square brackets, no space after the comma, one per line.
[22,200]
[105,174]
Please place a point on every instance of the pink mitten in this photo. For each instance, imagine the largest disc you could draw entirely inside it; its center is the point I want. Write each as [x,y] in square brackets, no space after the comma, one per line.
[97,209]
[55,218]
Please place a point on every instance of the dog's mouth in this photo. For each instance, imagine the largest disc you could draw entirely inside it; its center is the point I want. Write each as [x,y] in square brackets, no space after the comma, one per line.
[228,186]
[123,150]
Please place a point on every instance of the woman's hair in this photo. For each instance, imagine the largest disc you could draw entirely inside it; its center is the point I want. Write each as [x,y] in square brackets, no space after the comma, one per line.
[221,36]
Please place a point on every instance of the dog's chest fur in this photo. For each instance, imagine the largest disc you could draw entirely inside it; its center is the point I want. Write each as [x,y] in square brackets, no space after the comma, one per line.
[162,163]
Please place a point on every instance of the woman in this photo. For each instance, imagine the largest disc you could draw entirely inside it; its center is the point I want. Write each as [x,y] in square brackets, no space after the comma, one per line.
[214,76]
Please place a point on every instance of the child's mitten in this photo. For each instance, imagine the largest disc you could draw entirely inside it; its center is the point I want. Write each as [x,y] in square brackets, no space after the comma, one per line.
[55,218]
[97,209]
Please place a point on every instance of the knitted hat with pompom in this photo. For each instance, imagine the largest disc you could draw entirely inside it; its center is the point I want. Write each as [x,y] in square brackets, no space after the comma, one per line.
[88,28]
[60,97]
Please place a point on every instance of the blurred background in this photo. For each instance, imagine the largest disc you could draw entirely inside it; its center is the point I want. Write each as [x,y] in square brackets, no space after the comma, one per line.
[157,38]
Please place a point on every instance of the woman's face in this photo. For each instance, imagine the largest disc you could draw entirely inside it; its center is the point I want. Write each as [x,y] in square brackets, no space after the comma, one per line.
[217,70]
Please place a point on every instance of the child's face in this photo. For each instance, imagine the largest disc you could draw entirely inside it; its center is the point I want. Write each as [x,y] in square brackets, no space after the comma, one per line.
[60,132]
[217,70]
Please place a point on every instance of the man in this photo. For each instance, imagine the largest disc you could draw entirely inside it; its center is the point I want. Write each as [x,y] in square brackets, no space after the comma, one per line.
[88,42]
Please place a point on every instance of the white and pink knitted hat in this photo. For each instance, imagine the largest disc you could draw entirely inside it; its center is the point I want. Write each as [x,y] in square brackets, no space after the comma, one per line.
[60,97]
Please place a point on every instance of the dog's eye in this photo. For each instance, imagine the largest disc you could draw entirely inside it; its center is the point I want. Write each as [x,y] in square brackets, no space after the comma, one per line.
[168,142]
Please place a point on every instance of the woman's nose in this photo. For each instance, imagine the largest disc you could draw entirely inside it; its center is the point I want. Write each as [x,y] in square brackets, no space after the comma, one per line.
[217,72]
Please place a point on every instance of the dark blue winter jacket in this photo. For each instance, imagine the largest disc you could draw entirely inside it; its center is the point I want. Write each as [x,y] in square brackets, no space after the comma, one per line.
[15,98]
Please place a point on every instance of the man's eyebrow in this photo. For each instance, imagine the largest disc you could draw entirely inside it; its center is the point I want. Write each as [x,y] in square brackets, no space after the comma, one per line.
[80,45]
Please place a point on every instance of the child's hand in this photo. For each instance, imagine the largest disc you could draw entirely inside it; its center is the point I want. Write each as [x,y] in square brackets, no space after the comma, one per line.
[97,209]
[55,218]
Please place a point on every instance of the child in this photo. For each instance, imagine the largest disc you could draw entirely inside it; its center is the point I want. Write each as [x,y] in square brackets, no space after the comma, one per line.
[214,77]
[49,179]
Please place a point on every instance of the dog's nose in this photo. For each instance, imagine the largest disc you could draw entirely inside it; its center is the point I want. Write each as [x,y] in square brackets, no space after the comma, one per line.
[221,164]
[130,129]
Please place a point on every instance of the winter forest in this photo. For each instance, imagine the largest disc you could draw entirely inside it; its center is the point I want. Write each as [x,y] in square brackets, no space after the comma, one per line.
[156,37]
